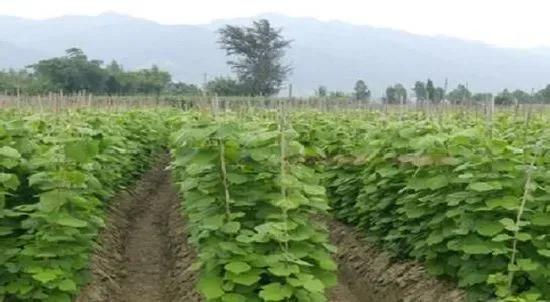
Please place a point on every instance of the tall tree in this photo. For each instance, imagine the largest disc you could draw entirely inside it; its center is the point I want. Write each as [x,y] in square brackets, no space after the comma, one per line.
[259,51]
[522,96]
[459,95]
[505,98]
[72,72]
[439,94]
[543,95]
[396,94]
[362,92]
[321,91]
[401,92]
[226,86]
[430,90]
[420,91]
[482,97]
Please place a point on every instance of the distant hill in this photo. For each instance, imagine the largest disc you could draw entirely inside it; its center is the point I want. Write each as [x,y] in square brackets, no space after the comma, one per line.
[334,54]
[12,55]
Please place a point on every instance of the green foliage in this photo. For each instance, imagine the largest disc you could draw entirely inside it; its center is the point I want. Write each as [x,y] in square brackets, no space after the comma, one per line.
[74,73]
[430,91]
[505,98]
[226,86]
[260,50]
[521,96]
[443,192]
[396,94]
[249,210]
[482,97]
[362,92]
[459,95]
[322,91]
[57,171]
[543,95]
[420,91]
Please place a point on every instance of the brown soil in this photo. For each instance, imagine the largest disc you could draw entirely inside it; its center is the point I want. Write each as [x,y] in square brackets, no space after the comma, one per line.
[144,253]
[372,276]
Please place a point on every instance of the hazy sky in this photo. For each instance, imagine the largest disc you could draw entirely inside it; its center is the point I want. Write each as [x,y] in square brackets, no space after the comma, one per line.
[503,22]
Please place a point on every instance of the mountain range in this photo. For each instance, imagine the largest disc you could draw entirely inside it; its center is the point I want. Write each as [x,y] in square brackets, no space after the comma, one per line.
[333,53]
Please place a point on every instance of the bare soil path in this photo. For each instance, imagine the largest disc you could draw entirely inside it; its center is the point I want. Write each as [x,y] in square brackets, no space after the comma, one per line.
[146,257]
[144,254]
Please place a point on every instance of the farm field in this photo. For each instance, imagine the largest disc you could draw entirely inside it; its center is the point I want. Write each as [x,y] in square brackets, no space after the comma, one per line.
[273,205]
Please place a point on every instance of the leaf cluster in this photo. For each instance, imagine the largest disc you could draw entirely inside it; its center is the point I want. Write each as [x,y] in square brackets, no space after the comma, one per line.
[254,243]
[57,173]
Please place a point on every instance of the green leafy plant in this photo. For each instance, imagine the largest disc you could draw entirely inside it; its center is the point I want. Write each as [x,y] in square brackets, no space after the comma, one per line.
[445,191]
[57,173]
[249,199]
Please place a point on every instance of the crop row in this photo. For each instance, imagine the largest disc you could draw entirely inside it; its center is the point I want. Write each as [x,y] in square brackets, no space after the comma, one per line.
[56,174]
[470,199]
[249,200]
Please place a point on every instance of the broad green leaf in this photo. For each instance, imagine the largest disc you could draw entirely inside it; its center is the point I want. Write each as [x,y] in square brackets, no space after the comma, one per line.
[247,278]
[71,222]
[210,286]
[437,182]
[325,260]
[67,285]
[44,276]
[484,186]
[82,151]
[9,181]
[263,138]
[489,228]
[314,190]
[476,249]
[387,171]
[545,253]
[59,297]
[244,238]
[5,231]
[213,222]
[283,269]
[541,219]
[237,179]
[502,237]
[233,298]
[508,202]
[523,237]
[9,152]
[275,292]
[194,169]
[509,224]
[527,265]
[231,227]
[472,278]
[314,285]
[287,203]
[474,245]
[238,267]
[52,201]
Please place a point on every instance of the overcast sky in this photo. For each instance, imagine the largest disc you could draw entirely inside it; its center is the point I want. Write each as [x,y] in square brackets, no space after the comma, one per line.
[511,23]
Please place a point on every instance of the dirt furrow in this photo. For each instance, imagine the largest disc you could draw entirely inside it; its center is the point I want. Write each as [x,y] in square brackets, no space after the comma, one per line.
[144,254]
[145,261]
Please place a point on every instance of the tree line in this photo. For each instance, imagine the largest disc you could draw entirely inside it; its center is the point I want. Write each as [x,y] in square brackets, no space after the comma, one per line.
[75,72]
[257,59]
[426,91]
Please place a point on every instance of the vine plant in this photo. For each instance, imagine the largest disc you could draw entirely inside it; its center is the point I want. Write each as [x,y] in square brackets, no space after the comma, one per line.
[266,248]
